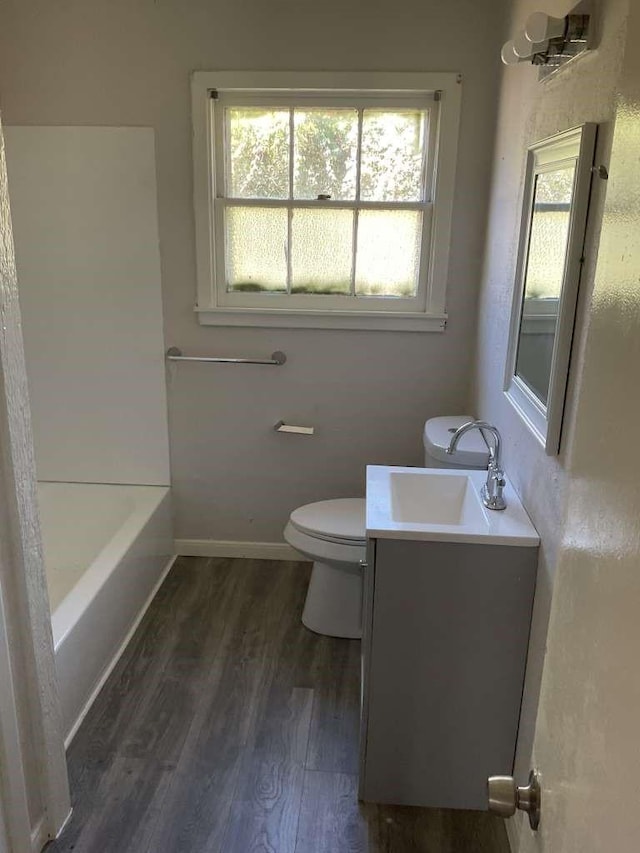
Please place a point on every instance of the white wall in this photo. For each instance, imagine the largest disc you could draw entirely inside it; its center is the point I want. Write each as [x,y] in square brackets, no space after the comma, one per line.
[586,742]
[84,211]
[530,111]
[367,393]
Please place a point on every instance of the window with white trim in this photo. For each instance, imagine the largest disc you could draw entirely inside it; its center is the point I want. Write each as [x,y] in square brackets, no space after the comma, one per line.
[324,201]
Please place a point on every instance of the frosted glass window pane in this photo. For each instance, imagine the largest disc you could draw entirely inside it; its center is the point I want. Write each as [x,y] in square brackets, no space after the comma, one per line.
[388,254]
[549,232]
[393,155]
[321,251]
[256,247]
[324,144]
[258,152]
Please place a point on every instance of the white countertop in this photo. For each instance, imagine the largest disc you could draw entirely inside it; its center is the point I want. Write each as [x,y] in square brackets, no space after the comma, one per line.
[473,523]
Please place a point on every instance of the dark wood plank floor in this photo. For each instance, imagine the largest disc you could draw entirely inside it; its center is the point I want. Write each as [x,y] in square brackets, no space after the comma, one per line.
[227,727]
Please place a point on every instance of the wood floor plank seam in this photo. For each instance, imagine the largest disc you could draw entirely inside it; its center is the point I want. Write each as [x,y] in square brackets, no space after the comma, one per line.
[200,720]
[268,797]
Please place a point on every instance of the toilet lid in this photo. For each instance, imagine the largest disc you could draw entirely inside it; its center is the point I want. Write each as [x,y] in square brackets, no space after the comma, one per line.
[341,519]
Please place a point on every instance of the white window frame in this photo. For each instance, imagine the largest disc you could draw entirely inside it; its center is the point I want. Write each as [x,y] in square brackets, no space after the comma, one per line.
[441,91]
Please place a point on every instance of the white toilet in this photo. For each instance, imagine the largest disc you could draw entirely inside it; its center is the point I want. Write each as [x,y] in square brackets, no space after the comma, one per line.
[332,534]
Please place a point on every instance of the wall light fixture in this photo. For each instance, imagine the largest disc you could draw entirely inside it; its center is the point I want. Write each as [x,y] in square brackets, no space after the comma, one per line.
[550,42]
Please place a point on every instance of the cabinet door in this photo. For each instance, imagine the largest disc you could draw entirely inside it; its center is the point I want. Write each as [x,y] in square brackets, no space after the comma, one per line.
[447,653]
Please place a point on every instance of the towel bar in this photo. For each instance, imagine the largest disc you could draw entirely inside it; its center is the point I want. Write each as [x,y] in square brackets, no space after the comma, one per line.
[175,354]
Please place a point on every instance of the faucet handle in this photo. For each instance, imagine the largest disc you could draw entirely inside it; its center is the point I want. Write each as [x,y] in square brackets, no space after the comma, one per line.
[497,475]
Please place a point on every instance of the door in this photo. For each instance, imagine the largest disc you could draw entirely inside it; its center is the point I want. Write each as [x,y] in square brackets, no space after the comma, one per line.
[15,824]
[587,742]
[34,793]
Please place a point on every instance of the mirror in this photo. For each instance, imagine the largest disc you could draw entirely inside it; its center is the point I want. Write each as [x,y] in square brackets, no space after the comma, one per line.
[543,277]
[550,259]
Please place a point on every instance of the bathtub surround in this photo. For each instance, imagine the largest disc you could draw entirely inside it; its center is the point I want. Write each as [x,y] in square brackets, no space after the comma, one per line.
[585,91]
[366,393]
[84,211]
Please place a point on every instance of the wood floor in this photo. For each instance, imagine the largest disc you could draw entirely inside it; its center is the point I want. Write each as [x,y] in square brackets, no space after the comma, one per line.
[227,727]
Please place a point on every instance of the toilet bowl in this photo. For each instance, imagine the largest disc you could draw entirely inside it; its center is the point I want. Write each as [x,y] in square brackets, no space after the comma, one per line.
[332,534]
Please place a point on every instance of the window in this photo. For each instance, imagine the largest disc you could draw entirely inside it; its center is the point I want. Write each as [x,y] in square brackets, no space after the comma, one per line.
[327,204]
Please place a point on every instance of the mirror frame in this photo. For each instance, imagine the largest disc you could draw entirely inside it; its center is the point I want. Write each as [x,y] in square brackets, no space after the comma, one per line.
[575,146]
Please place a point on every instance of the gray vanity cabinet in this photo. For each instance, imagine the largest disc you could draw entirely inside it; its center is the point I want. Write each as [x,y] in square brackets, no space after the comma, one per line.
[446,628]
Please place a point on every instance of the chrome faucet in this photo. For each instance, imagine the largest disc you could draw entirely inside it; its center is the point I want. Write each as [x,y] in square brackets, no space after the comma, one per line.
[491,493]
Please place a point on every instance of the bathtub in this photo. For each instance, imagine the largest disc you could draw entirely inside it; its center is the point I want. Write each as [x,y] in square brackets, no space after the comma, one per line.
[107,550]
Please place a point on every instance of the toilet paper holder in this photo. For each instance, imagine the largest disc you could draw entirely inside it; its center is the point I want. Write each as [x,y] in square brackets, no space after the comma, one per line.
[281,426]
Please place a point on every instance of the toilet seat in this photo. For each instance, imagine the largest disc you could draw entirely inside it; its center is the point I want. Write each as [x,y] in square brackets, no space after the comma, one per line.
[331,531]
[349,556]
[340,521]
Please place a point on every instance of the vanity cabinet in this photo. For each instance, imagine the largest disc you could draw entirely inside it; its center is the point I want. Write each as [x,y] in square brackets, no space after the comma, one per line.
[445,635]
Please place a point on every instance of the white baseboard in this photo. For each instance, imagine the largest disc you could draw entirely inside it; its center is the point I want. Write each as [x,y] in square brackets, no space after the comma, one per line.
[109,669]
[230,548]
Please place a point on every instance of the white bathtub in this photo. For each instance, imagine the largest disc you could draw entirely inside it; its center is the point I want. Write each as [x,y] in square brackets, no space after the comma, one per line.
[107,550]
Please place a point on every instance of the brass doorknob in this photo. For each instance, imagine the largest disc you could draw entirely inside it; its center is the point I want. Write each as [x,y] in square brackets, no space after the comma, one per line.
[505,797]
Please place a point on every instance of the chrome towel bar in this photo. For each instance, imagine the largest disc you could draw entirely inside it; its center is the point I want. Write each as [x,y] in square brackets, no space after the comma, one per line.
[175,354]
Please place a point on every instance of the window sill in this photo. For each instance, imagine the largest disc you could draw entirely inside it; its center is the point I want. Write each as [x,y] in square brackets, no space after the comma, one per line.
[529,409]
[292,319]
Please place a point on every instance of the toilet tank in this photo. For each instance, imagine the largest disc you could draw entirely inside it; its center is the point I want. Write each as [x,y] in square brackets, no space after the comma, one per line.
[472,450]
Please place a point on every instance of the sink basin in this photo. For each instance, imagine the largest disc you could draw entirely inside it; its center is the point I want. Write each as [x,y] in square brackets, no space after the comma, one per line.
[441,504]
[428,498]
